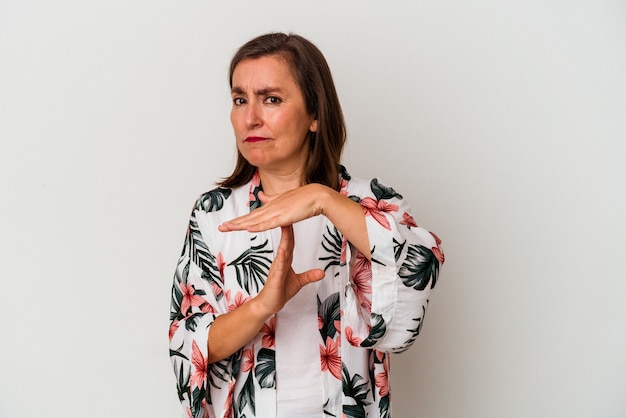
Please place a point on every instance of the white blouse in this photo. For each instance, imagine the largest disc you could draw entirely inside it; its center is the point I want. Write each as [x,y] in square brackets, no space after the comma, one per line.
[327,352]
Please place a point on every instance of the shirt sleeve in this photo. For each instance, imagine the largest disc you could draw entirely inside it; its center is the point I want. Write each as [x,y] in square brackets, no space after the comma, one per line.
[197,299]
[387,297]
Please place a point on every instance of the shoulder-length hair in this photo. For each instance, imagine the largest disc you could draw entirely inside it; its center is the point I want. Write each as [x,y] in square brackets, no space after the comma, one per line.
[312,74]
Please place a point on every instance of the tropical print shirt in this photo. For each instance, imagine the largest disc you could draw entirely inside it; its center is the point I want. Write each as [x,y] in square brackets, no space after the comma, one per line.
[366,309]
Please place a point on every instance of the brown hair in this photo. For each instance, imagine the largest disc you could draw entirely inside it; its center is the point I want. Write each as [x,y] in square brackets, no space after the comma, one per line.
[310,70]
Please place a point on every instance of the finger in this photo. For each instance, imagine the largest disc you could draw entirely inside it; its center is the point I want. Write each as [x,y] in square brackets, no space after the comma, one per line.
[231,225]
[310,276]
[265,198]
[281,264]
[241,222]
[286,240]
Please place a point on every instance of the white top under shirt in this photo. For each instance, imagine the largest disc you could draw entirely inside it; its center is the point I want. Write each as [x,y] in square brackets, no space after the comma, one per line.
[298,370]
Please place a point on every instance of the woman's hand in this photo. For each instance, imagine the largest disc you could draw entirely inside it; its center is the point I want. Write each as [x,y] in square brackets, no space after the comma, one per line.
[282,210]
[282,282]
[303,203]
[233,330]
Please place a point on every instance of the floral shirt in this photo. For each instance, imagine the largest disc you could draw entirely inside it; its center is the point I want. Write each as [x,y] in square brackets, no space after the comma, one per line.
[366,309]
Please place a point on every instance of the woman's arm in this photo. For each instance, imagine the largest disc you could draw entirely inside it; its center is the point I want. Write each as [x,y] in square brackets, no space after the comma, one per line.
[386,303]
[233,330]
[349,218]
[303,203]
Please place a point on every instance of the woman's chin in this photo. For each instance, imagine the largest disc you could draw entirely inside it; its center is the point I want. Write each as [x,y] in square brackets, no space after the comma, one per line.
[257,162]
[256,157]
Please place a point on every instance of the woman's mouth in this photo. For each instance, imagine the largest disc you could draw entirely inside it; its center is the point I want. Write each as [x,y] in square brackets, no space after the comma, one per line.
[255,139]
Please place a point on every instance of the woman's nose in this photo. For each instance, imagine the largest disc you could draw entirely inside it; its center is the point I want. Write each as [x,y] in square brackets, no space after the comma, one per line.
[253,116]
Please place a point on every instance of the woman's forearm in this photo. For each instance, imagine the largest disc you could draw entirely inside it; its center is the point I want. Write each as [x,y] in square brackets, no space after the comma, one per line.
[349,218]
[231,331]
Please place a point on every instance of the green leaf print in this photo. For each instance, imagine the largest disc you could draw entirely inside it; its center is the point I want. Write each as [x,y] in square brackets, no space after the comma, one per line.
[415,332]
[383,192]
[213,200]
[246,396]
[201,255]
[383,407]
[376,332]
[332,243]
[265,370]
[354,387]
[419,267]
[397,248]
[329,311]
[252,267]
[177,295]
[182,384]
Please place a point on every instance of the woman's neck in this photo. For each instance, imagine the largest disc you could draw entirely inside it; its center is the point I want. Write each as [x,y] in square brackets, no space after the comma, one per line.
[280,182]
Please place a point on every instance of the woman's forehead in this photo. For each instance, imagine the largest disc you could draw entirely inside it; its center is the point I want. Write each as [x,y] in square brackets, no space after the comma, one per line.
[264,73]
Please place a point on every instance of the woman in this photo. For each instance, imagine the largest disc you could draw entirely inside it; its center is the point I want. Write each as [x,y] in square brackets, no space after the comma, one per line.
[295,281]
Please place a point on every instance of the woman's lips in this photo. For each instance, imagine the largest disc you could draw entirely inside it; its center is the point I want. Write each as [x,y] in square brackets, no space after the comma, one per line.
[255,139]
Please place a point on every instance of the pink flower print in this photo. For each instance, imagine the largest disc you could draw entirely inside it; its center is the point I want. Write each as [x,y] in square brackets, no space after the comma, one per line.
[344,247]
[239,300]
[438,254]
[205,410]
[173,328]
[352,339]
[362,280]
[408,220]
[207,308]
[268,333]
[344,187]
[320,322]
[382,381]
[337,324]
[256,182]
[256,179]
[205,414]
[190,299]
[200,364]
[437,240]
[331,360]
[228,405]
[376,209]
[221,264]
[248,359]
[217,290]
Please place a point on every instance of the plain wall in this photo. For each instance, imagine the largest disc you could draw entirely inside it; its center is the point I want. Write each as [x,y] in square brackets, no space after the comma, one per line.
[503,123]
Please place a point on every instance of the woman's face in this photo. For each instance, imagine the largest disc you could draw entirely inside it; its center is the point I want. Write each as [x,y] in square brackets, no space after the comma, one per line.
[269,116]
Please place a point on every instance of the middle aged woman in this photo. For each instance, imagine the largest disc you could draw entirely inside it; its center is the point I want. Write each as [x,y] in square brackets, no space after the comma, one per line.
[296,281]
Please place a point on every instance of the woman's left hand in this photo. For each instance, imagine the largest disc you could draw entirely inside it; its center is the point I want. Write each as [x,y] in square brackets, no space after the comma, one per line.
[281,210]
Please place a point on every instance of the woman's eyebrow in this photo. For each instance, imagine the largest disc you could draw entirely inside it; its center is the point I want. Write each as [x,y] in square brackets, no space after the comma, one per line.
[268,90]
[260,92]
[236,90]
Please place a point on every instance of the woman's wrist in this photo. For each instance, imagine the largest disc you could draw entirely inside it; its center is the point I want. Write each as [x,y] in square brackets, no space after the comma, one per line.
[258,310]
[326,198]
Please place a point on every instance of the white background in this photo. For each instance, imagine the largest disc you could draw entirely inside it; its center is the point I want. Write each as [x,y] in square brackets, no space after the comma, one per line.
[503,123]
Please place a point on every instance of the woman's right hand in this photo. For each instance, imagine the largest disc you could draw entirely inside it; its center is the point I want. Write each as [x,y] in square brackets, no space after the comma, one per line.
[234,329]
[282,282]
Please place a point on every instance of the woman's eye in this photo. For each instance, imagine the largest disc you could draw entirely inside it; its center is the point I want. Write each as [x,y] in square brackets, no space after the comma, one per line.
[273,100]
[238,101]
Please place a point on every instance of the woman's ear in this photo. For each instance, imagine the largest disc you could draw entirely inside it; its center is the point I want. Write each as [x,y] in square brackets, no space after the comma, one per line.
[313,127]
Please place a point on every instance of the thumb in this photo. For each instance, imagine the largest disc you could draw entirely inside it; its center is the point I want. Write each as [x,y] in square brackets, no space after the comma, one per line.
[265,198]
[310,276]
